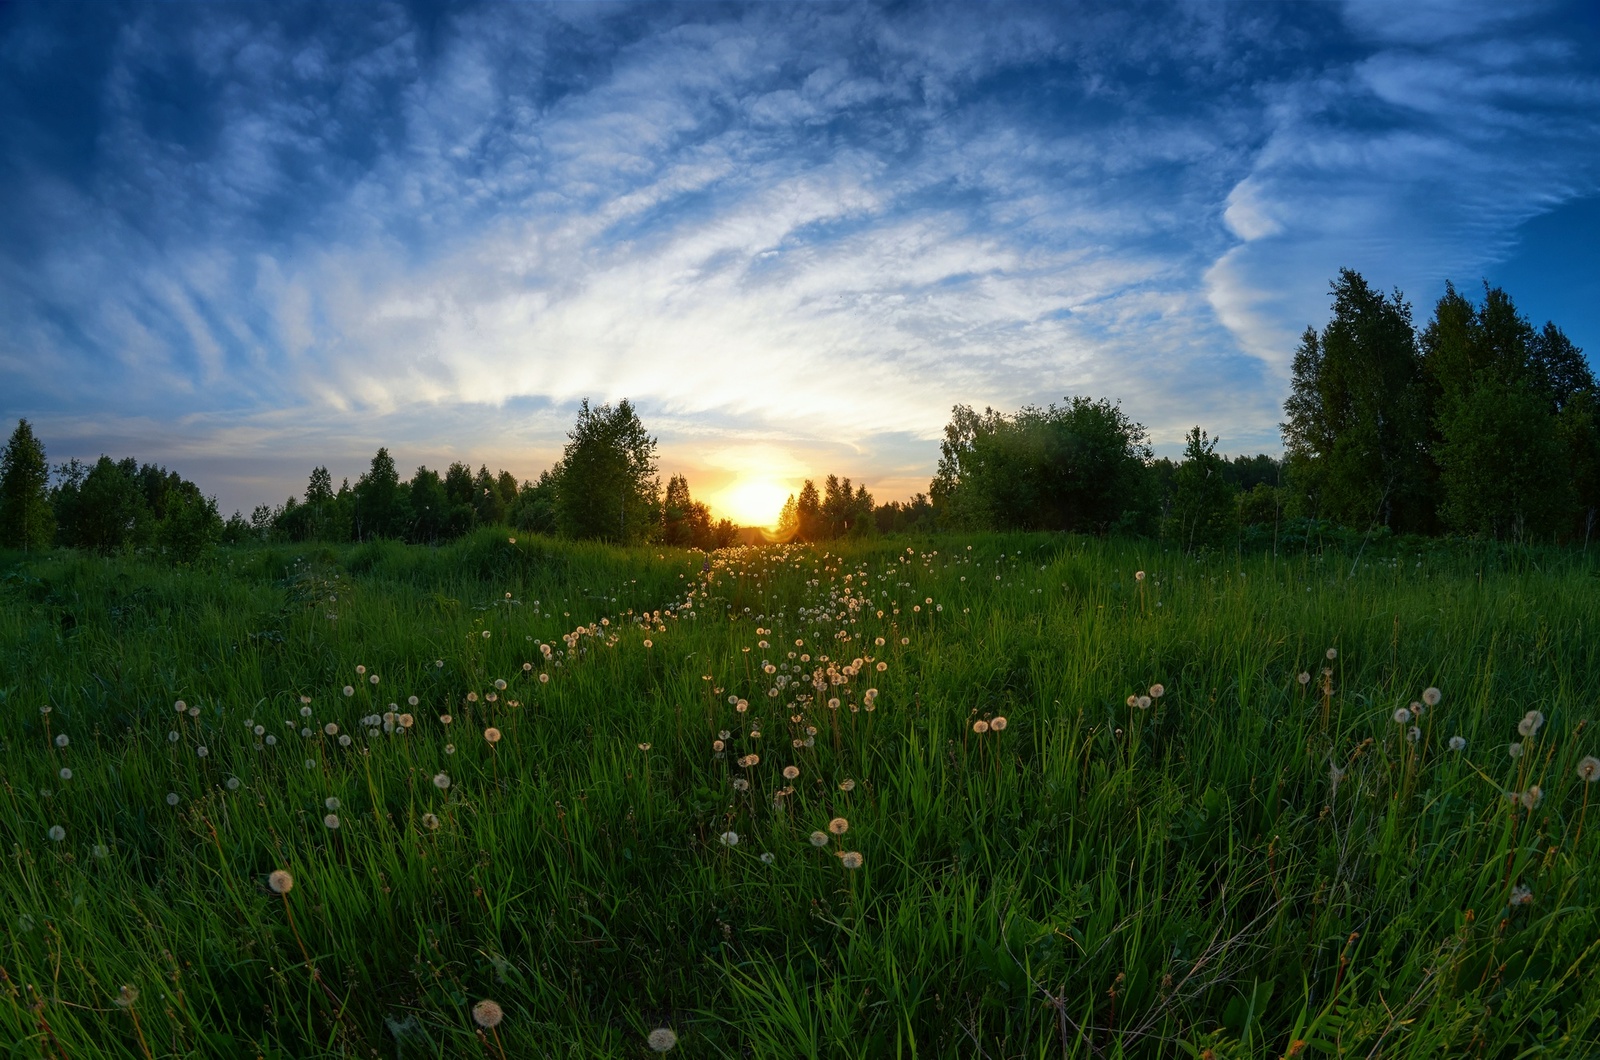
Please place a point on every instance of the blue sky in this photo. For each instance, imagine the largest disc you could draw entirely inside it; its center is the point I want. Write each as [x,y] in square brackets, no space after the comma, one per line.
[243,240]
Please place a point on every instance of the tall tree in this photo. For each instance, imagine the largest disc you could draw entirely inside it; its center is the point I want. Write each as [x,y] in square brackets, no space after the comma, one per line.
[608,487]
[26,519]
[378,509]
[1355,427]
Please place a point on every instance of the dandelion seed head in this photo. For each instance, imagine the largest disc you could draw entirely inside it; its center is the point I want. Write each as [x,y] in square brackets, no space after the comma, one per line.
[127,994]
[730,839]
[790,772]
[280,881]
[1402,716]
[1589,769]
[838,826]
[1458,743]
[430,821]
[980,726]
[65,774]
[492,734]
[1514,750]
[172,798]
[332,821]
[57,833]
[662,1040]
[487,1014]
[819,839]
[1431,696]
[851,859]
[1333,653]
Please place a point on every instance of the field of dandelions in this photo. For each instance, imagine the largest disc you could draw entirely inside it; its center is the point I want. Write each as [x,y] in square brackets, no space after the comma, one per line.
[995,797]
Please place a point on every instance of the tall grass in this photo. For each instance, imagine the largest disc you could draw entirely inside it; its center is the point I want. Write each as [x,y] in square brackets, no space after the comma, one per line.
[1248,865]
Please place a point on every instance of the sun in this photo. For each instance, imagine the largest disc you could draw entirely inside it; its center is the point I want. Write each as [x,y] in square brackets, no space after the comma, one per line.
[751,501]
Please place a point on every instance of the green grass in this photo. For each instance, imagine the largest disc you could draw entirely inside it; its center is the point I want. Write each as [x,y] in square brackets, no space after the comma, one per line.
[1095,881]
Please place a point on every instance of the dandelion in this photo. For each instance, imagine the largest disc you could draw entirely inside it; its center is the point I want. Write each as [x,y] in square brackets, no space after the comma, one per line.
[487,1014]
[790,772]
[1333,653]
[1133,701]
[544,679]
[45,709]
[499,684]
[437,663]
[485,634]
[310,764]
[1458,743]
[1144,702]
[492,734]
[280,881]
[332,821]
[1530,798]
[1138,575]
[349,690]
[647,643]
[430,821]
[65,774]
[361,669]
[259,729]
[1430,696]
[445,719]
[768,858]
[1514,750]
[730,839]
[172,798]
[847,785]
[1304,678]
[1531,723]
[644,747]
[411,701]
[271,740]
[740,784]
[449,748]
[662,1039]
[1413,734]
[717,746]
[851,859]
[1157,691]
[100,850]
[201,752]
[838,826]
[819,839]
[980,726]
[57,833]
[1522,894]
[406,721]
[1402,716]
[998,724]
[1589,769]
[180,706]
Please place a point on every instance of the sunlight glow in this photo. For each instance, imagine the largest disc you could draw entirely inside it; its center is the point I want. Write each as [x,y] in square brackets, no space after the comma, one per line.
[751,501]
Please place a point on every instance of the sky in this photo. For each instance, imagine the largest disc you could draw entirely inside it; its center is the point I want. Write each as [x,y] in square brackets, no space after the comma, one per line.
[246,240]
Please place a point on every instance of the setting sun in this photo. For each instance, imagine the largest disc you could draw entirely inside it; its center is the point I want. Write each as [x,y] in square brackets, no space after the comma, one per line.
[751,501]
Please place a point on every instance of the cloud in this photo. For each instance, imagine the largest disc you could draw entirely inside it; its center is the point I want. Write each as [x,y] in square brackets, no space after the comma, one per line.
[282,239]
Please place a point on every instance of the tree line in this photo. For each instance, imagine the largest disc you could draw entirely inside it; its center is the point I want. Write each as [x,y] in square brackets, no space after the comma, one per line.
[1477,423]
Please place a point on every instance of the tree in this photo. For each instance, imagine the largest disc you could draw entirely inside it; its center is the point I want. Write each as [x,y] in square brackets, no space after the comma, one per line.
[1077,467]
[1355,427]
[27,521]
[106,506]
[490,505]
[1504,461]
[430,506]
[685,522]
[1204,512]
[607,485]
[378,509]
[459,488]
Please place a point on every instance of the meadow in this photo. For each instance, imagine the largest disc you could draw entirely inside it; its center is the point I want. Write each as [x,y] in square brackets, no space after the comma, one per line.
[997,796]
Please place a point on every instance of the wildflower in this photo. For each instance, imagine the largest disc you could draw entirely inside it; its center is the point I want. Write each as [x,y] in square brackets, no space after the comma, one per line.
[487,1014]
[485,634]
[332,821]
[1458,743]
[271,740]
[349,690]
[492,734]
[201,752]
[717,746]
[100,850]
[1430,696]
[65,774]
[406,721]
[411,701]
[750,760]
[373,679]
[280,881]
[544,679]
[819,839]
[1589,769]
[851,859]
[438,663]
[1304,678]
[647,643]
[730,839]
[45,709]
[1413,734]
[57,833]
[1530,723]
[499,684]
[430,821]
[1402,716]
[838,826]
[233,783]
[126,996]
[1138,575]
[310,764]
[449,748]
[1133,701]
[998,724]
[1530,798]
[331,729]
[790,772]
[172,798]
[1333,653]
[740,784]
[980,726]
[344,741]
[1522,894]
[1157,691]
[662,1040]
[1515,750]
[847,785]
[1144,702]
[361,669]
[644,747]
[768,858]
[180,706]
[259,729]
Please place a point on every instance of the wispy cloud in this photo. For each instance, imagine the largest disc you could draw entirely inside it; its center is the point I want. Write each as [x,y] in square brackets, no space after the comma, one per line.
[257,238]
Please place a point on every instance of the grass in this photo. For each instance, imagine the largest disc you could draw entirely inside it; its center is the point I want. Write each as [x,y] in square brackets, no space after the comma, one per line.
[1249,866]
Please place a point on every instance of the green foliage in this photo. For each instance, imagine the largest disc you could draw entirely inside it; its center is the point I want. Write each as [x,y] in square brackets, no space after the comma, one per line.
[606,485]
[1356,420]
[1241,864]
[1204,511]
[1077,467]
[27,521]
